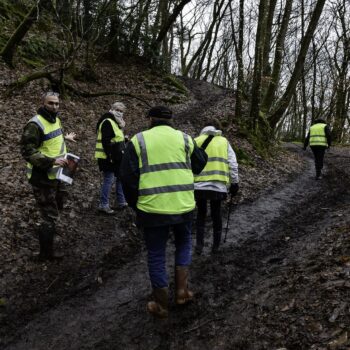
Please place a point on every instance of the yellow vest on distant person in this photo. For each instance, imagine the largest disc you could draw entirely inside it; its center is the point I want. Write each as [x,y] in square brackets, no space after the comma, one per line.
[217,168]
[53,144]
[318,135]
[119,137]
[166,179]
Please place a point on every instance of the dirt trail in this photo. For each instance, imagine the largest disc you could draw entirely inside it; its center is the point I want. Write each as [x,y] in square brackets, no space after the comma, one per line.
[266,237]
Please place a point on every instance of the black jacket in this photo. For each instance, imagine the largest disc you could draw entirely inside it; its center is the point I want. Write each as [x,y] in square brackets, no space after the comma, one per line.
[107,135]
[130,176]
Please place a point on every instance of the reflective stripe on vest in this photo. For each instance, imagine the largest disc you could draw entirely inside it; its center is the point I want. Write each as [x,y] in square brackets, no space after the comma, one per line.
[53,144]
[119,136]
[166,179]
[318,135]
[216,168]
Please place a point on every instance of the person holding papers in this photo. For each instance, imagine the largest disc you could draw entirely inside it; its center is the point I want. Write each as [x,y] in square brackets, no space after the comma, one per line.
[43,147]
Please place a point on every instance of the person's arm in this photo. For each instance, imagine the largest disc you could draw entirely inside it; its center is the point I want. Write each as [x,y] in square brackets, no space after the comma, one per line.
[30,143]
[70,136]
[233,165]
[130,175]
[307,139]
[327,130]
[107,135]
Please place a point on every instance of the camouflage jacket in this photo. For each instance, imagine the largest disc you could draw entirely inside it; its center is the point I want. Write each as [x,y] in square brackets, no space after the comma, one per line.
[31,140]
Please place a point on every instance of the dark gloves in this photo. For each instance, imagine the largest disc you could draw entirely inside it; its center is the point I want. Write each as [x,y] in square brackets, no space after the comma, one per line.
[234,189]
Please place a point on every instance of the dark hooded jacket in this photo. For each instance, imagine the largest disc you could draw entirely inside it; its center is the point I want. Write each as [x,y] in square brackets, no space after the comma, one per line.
[130,176]
[107,135]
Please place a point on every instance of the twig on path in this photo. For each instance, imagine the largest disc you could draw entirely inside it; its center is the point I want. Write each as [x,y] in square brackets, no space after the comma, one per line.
[50,285]
[203,324]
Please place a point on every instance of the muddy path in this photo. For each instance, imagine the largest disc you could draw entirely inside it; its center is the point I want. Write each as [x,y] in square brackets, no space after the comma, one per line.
[244,296]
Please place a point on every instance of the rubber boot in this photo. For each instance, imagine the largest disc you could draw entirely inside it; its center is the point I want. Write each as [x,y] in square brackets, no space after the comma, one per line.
[183,295]
[159,306]
[199,240]
[216,242]
[46,240]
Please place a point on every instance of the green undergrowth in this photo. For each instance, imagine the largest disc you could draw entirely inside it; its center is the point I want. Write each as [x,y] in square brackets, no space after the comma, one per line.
[176,83]
[12,10]
[243,157]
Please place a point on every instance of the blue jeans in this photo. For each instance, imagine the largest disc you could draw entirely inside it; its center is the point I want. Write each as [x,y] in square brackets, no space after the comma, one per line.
[108,180]
[156,240]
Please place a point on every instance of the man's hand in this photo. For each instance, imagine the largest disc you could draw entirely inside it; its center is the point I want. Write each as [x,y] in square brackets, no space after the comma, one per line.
[61,162]
[71,136]
[234,189]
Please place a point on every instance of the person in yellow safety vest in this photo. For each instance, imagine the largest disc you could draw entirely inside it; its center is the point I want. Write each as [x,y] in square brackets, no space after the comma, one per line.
[43,147]
[319,138]
[157,176]
[109,150]
[219,176]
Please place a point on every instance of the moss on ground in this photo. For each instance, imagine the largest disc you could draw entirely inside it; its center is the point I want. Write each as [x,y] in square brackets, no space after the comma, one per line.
[173,81]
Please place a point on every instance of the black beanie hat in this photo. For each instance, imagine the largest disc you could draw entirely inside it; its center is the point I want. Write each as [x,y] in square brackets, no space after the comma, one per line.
[160,112]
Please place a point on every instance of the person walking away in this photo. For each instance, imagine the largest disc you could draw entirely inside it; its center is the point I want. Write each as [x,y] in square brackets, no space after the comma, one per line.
[43,147]
[157,176]
[219,176]
[109,150]
[319,138]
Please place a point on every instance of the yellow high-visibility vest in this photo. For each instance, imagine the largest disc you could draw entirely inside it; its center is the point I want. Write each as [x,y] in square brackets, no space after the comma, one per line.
[53,144]
[119,137]
[318,135]
[217,168]
[166,179]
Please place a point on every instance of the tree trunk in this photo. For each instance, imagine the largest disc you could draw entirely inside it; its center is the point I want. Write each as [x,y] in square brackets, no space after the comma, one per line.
[282,104]
[258,66]
[9,49]
[166,26]
[277,64]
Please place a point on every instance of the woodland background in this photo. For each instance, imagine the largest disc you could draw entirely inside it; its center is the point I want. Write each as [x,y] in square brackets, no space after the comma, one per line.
[287,61]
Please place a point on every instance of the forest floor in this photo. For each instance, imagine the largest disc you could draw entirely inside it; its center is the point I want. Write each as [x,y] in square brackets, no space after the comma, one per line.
[282,280]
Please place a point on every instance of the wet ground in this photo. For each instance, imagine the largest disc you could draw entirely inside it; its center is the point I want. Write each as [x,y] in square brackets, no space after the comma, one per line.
[282,281]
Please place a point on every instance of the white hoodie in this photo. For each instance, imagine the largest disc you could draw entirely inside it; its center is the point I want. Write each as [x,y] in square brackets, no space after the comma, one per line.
[232,164]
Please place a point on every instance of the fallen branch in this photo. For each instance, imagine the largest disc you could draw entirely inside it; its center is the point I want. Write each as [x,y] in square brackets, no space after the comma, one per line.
[203,324]
[102,93]
[47,289]
[21,82]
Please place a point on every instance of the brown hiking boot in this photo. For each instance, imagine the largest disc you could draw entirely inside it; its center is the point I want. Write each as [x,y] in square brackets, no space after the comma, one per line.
[159,307]
[183,295]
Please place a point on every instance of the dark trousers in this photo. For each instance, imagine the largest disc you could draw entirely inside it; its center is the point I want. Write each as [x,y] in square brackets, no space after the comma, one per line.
[318,152]
[156,239]
[215,212]
[49,200]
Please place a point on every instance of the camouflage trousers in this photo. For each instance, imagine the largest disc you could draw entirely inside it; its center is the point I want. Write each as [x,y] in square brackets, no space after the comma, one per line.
[50,201]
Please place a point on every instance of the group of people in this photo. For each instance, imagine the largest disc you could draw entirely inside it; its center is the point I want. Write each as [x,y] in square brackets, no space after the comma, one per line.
[161,173]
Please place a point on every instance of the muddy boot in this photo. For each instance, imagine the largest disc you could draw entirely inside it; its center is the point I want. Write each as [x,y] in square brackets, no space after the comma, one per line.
[44,242]
[318,175]
[159,307]
[199,240]
[46,238]
[183,295]
[216,242]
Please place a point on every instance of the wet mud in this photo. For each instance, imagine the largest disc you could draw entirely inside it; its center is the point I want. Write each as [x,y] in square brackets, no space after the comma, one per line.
[280,281]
